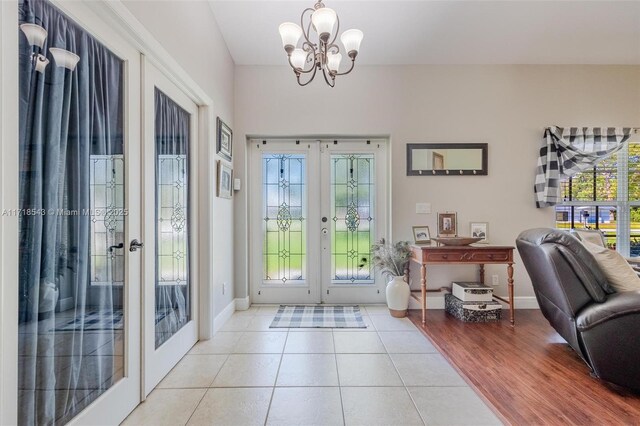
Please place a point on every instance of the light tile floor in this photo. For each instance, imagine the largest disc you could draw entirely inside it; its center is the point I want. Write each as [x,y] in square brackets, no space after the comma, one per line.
[248,374]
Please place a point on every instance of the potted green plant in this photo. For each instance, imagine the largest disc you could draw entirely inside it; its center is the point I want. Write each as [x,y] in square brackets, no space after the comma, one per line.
[392,260]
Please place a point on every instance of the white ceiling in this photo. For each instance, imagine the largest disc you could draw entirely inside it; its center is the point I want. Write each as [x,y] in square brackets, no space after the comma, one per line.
[448,32]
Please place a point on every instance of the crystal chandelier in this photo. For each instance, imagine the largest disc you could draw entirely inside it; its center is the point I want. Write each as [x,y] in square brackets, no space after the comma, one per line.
[324,54]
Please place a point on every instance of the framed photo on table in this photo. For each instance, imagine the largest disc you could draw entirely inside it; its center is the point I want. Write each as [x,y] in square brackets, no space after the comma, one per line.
[447,224]
[225,174]
[421,235]
[224,144]
[480,230]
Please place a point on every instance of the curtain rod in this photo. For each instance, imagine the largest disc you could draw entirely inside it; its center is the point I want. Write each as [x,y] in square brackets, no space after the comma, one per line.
[633,129]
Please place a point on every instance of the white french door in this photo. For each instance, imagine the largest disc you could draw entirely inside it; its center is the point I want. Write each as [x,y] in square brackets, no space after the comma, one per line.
[79,354]
[354,204]
[317,206]
[170,201]
[124,395]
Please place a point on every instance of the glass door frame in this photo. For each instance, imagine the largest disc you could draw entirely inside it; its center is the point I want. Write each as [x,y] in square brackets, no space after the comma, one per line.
[354,293]
[157,362]
[121,398]
[308,293]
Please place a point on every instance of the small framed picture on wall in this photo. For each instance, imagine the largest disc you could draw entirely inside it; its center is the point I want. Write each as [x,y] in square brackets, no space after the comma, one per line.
[225,174]
[225,140]
[447,224]
[480,230]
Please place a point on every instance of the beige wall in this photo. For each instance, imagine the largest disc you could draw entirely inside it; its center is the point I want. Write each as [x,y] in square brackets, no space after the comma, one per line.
[504,106]
[188,31]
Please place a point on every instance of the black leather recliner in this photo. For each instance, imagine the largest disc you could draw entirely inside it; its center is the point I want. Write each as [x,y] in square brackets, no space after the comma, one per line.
[601,325]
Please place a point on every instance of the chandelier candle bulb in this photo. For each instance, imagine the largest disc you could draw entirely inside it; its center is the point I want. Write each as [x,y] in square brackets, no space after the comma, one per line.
[323,21]
[64,58]
[36,35]
[351,40]
[333,61]
[41,63]
[298,58]
[290,34]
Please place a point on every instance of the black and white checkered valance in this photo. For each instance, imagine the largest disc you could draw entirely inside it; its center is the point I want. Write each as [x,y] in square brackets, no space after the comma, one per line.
[567,151]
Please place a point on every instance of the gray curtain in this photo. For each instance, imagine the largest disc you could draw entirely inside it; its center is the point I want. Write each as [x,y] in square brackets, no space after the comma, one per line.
[172,236]
[567,151]
[65,116]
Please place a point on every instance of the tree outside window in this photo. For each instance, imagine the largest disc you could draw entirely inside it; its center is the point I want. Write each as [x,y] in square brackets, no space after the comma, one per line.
[606,198]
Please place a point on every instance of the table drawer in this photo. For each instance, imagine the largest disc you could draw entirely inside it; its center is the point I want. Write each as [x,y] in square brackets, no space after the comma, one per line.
[467,256]
[488,256]
[451,256]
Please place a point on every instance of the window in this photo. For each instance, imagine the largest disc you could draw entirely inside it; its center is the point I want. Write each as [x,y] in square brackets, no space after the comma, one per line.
[606,198]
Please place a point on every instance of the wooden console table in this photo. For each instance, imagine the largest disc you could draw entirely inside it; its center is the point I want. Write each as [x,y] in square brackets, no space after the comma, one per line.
[480,255]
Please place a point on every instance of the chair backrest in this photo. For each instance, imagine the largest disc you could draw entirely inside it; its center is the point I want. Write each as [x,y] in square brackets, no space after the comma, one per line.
[592,236]
[565,277]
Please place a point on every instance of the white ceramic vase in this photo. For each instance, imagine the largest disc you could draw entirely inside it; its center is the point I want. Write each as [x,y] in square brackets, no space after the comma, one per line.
[398,294]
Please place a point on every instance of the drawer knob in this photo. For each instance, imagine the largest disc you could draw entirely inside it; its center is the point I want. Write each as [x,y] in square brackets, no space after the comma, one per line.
[445,256]
[490,256]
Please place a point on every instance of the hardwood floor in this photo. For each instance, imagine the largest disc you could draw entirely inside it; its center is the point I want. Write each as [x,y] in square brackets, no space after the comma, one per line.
[527,373]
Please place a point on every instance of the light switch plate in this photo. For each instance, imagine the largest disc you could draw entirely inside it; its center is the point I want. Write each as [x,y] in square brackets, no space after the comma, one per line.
[423,208]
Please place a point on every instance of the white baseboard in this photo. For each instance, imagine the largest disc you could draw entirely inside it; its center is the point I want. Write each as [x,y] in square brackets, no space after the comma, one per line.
[224,316]
[526,302]
[436,301]
[242,304]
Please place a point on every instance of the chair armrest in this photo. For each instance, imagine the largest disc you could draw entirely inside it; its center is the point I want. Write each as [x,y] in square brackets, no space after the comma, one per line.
[616,305]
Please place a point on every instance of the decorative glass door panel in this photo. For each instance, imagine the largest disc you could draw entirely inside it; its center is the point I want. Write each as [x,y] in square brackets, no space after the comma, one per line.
[284,229]
[352,218]
[106,183]
[172,246]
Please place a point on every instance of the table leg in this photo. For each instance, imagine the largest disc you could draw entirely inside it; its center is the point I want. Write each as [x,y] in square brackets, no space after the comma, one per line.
[482,273]
[423,287]
[510,282]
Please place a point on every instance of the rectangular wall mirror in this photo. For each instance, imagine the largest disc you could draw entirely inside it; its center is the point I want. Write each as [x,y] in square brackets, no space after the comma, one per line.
[448,159]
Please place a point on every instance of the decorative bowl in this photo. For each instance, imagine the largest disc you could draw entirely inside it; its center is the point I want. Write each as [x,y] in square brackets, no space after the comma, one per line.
[456,241]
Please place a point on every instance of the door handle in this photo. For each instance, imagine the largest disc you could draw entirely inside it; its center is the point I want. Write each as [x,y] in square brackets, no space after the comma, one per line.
[117,246]
[135,245]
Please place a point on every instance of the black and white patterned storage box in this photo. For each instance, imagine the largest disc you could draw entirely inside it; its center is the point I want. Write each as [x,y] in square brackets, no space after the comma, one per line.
[472,311]
[472,291]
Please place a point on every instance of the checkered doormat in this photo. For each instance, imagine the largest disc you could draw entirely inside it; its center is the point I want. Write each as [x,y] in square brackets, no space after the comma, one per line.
[93,321]
[98,321]
[299,316]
